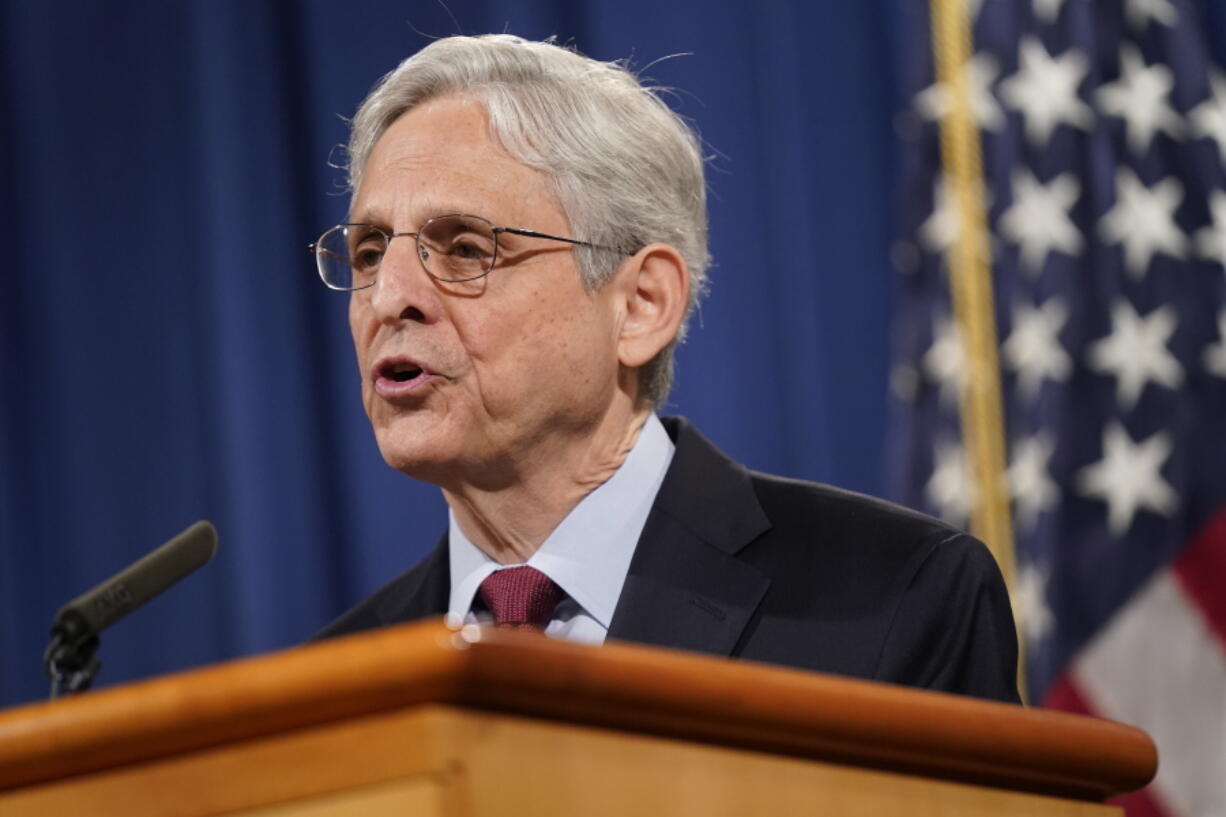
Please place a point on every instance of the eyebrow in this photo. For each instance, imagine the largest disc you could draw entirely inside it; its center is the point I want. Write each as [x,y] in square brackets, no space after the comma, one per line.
[375,215]
[366,216]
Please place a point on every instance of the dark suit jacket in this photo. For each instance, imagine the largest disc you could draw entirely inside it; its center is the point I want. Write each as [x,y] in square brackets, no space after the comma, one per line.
[737,563]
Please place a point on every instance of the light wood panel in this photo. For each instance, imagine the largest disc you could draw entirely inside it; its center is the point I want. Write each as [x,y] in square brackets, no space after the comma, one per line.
[344,759]
[403,798]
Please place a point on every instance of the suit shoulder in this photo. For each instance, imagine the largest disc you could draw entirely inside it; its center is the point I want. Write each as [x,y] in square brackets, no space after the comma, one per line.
[836,514]
[884,592]
[834,539]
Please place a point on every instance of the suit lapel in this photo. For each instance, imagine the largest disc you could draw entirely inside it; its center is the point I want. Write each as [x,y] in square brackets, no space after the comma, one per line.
[422,592]
[686,589]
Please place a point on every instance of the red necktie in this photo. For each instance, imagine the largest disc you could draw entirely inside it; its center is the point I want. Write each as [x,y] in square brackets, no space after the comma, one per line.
[522,598]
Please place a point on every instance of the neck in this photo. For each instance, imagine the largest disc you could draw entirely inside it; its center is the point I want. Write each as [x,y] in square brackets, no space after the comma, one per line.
[510,523]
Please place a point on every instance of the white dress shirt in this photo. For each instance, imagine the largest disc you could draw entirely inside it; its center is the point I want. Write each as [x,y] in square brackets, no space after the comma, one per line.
[588,554]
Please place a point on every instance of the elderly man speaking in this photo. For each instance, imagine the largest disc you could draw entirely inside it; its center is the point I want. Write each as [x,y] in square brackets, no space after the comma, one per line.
[526,240]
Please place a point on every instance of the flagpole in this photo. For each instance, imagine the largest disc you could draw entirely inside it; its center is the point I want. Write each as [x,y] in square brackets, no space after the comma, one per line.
[970,276]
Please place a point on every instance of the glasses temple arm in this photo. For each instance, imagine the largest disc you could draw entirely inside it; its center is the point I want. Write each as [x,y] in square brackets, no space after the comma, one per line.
[535,234]
[317,250]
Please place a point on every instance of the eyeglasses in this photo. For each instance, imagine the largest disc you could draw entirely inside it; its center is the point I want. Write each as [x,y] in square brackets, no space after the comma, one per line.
[452,248]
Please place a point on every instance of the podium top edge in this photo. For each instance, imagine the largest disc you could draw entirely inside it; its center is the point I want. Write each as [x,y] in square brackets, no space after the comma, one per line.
[618,686]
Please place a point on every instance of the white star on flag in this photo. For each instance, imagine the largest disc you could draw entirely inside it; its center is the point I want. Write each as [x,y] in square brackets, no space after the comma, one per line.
[945,361]
[1209,117]
[1211,240]
[1044,89]
[1128,477]
[1030,484]
[1215,354]
[1140,12]
[951,489]
[1143,219]
[941,229]
[1038,219]
[1047,10]
[1030,603]
[936,101]
[1033,348]
[1135,352]
[1139,97]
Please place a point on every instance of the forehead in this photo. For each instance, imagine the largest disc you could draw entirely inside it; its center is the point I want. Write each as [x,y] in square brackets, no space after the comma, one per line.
[441,157]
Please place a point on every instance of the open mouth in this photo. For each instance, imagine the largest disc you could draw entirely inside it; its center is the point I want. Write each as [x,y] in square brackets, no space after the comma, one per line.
[400,377]
[402,372]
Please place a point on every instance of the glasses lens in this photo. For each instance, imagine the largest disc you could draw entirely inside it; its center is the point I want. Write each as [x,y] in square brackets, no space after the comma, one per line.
[457,248]
[349,255]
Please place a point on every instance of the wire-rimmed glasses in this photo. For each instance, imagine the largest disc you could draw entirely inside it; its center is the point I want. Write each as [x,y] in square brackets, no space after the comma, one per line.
[452,248]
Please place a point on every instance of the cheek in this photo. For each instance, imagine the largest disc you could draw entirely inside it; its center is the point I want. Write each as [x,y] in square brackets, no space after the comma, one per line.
[355,327]
[360,330]
[573,343]
[363,326]
[558,330]
[541,340]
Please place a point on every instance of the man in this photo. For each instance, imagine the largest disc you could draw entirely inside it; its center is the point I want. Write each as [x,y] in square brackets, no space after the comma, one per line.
[526,240]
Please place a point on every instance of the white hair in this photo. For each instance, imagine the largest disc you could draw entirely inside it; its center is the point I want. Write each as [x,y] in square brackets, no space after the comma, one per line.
[626,169]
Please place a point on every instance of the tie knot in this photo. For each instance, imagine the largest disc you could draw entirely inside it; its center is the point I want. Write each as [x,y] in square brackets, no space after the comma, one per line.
[520,597]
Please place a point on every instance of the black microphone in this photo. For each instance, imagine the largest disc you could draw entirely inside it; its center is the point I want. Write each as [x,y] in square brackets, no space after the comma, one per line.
[74,637]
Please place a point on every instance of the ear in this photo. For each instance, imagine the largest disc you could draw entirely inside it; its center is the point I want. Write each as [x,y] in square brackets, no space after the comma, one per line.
[655,284]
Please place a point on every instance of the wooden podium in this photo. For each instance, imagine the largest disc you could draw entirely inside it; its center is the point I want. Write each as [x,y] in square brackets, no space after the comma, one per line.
[426,720]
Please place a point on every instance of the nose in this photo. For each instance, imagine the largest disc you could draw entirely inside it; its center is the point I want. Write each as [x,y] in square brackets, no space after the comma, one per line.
[402,291]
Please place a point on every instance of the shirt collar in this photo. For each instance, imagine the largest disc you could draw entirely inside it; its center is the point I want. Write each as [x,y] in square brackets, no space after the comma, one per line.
[588,554]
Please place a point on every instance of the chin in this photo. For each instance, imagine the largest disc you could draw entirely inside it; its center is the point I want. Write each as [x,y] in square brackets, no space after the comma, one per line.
[408,434]
[445,462]
[407,443]
[418,459]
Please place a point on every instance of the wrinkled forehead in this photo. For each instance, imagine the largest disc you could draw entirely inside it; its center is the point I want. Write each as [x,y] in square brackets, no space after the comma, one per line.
[442,157]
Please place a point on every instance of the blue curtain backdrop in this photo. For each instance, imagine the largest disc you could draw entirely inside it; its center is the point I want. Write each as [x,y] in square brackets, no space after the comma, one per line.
[167,353]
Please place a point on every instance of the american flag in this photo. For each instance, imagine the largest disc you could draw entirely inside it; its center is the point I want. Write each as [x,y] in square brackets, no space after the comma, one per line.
[1103,136]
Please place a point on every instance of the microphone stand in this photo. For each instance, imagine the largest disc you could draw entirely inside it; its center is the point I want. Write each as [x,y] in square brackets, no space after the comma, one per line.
[69,659]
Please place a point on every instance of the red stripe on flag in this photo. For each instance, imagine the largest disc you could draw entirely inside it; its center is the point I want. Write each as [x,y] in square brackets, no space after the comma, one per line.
[1201,572]
[1066,696]
[1142,803]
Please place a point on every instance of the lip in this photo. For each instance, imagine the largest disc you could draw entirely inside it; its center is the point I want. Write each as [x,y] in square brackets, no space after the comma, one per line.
[388,387]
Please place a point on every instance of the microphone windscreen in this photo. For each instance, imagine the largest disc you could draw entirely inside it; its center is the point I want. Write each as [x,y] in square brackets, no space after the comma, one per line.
[142,580]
